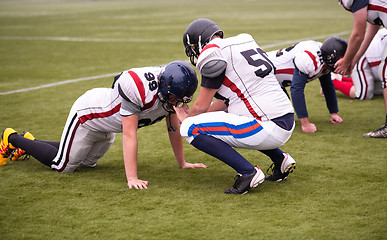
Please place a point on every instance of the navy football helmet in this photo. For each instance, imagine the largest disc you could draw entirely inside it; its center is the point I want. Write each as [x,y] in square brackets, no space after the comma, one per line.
[197,35]
[177,84]
[332,49]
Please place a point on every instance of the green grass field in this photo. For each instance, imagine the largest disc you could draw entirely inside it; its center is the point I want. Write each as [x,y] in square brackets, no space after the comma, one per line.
[338,190]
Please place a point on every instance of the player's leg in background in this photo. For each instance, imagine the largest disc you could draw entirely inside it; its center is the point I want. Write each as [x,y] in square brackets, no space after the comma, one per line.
[381,132]
[383,77]
[363,80]
[342,84]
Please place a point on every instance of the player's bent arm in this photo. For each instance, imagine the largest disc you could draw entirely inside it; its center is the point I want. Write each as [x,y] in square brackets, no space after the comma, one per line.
[343,65]
[177,143]
[369,35]
[297,88]
[329,93]
[203,101]
[217,105]
[307,126]
[173,126]
[335,118]
[130,149]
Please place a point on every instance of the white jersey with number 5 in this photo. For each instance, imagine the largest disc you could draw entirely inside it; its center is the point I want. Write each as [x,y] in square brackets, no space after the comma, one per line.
[249,84]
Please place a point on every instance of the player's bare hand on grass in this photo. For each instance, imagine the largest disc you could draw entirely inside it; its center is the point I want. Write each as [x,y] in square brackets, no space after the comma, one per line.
[193,165]
[336,118]
[309,127]
[137,184]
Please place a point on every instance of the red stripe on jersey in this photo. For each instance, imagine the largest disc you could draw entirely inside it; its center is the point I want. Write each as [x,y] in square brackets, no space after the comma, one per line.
[140,86]
[377,8]
[91,116]
[285,71]
[374,64]
[209,46]
[313,59]
[151,103]
[235,89]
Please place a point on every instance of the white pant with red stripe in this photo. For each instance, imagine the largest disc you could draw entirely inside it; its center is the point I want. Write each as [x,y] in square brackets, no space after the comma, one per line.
[383,69]
[237,131]
[366,80]
[80,146]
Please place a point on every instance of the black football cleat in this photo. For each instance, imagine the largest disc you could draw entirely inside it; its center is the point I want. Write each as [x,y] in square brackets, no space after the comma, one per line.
[280,173]
[243,183]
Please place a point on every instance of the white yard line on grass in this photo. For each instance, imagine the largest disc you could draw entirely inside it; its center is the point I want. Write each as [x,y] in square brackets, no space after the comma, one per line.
[281,43]
[71,39]
[59,83]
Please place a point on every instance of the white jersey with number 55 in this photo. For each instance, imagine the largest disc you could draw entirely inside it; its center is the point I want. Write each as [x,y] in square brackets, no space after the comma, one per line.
[249,85]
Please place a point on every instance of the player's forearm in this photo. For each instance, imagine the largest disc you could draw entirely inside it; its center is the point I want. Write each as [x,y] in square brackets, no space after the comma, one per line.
[130,147]
[329,93]
[357,35]
[299,103]
[177,147]
[369,35]
[217,105]
[354,44]
[175,139]
[202,102]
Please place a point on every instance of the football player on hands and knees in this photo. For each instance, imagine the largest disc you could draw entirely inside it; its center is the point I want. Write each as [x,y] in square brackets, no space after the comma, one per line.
[303,62]
[139,97]
[250,111]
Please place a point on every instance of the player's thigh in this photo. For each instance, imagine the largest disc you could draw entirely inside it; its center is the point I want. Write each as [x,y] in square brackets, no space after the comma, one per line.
[363,80]
[237,131]
[382,71]
[73,149]
[99,148]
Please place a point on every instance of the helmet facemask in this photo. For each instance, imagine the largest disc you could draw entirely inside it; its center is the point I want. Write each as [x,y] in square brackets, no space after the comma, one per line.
[330,60]
[192,50]
[171,101]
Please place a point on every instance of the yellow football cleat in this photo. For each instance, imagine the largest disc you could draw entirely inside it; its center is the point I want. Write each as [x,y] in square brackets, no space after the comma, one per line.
[18,152]
[5,147]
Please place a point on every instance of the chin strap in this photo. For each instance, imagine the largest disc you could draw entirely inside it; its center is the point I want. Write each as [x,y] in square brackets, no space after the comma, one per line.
[170,128]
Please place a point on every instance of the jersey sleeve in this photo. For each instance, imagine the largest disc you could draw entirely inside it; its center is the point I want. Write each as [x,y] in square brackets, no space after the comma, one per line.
[359,4]
[212,65]
[354,5]
[128,90]
[329,93]
[307,63]
[297,93]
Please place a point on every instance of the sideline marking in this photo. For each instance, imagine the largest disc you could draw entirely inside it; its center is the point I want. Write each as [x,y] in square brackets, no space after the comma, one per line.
[132,40]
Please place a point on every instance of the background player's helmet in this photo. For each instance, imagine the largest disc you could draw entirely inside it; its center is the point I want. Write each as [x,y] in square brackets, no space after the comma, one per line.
[332,50]
[197,35]
[177,84]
